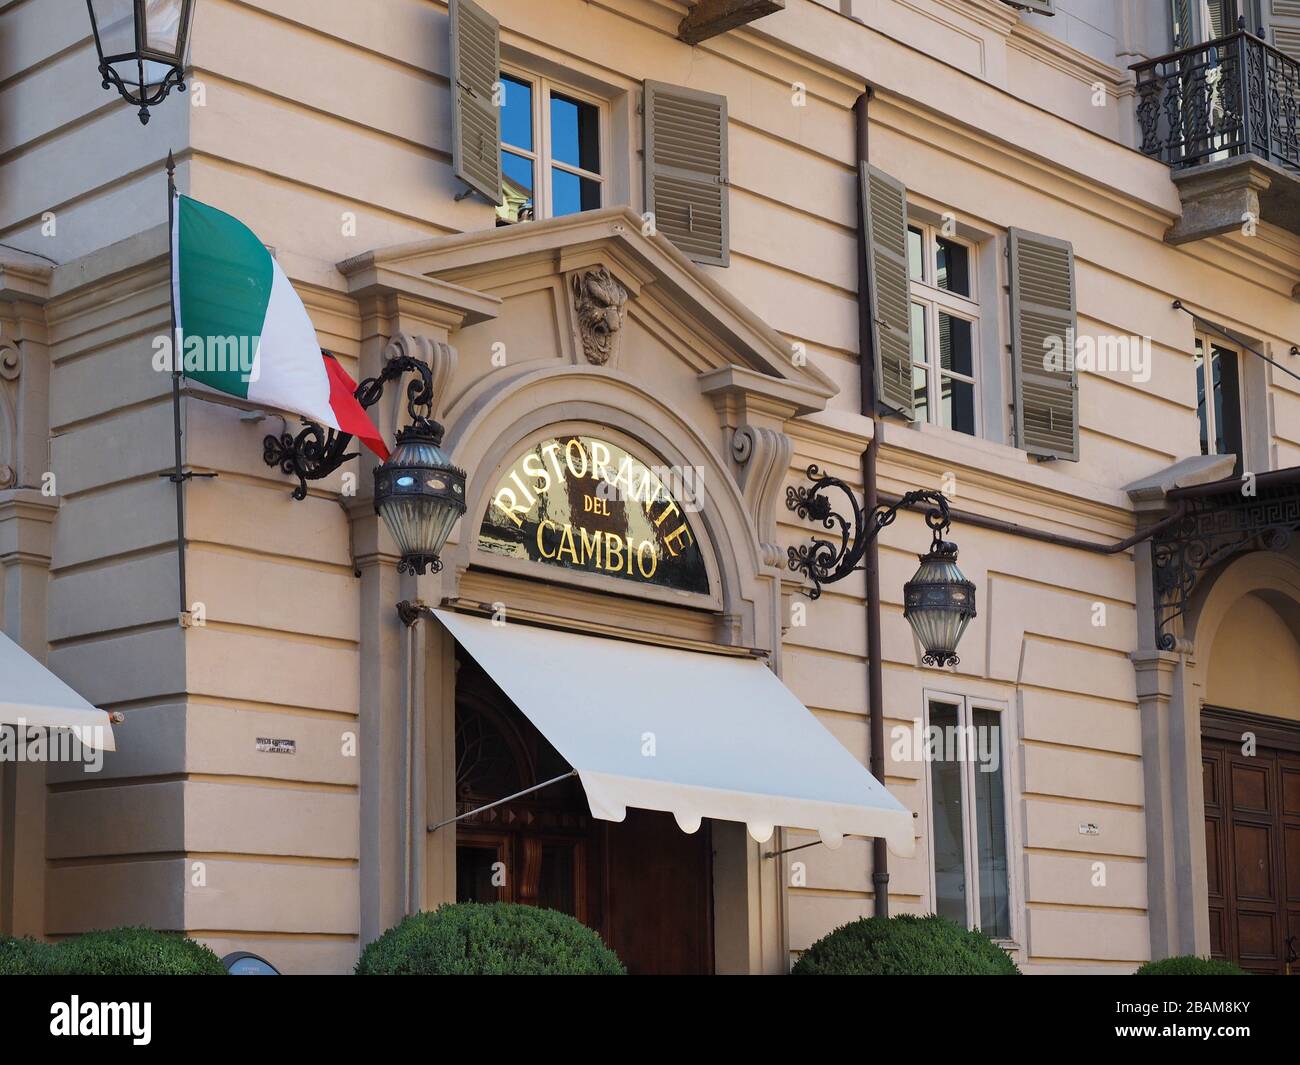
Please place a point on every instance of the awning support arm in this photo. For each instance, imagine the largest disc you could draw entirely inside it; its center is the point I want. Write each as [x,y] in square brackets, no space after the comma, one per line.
[508,798]
[787,850]
[1214,327]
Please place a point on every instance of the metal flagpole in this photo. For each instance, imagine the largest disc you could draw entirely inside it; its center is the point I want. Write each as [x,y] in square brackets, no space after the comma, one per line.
[178,475]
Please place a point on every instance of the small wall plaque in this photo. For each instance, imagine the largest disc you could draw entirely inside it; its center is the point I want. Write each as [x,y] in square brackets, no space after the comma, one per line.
[270,746]
[1089,829]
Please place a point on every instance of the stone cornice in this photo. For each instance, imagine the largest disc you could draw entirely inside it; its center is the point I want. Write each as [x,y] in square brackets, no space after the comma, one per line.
[24,279]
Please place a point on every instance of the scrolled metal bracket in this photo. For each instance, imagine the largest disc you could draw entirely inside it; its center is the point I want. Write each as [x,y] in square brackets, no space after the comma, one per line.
[826,561]
[316,452]
[174,78]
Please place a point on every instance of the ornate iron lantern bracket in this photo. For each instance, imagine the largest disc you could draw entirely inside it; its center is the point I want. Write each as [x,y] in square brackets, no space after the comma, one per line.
[316,451]
[1222,521]
[826,561]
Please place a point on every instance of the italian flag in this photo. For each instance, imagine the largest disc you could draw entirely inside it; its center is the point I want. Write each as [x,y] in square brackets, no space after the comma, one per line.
[242,329]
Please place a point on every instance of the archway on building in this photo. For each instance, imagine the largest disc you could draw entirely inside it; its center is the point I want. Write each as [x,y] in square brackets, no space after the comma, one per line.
[1250,755]
[545,849]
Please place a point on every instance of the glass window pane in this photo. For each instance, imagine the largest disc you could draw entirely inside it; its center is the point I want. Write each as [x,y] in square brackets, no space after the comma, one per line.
[517,183]
[1227,404]
[920,374]
[1202,411]
[955,344]
[915,254]
[991,826]
[952,269]
[575,133]
[570,193]
[949,831]
[958,410]
[517,113]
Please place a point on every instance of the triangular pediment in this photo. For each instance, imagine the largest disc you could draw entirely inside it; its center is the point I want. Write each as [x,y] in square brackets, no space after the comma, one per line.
[666,294]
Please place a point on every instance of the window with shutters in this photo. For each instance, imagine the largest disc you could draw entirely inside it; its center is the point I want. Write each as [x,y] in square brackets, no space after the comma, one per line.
[945,328]
[969,788]
[553,141]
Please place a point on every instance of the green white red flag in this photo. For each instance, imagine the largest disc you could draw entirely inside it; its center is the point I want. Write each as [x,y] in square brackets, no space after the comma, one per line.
[244,331]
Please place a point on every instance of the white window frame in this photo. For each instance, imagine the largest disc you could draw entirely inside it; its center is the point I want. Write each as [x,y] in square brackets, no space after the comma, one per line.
[1211,424]
[926,294]
[965,704]
[543,88]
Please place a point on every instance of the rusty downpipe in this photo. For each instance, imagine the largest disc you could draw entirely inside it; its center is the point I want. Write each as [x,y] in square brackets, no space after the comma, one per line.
[871,560]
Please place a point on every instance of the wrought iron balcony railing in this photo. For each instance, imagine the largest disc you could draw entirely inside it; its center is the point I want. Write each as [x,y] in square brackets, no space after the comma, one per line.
[1234,96]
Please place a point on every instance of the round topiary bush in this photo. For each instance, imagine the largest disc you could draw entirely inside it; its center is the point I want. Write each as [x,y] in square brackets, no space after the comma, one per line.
[905,945]
[25,957]
[1190,965]
[135,952]
[492,939]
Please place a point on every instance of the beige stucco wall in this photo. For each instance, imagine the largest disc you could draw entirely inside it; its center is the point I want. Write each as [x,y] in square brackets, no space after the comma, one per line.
[1255,662]
[346,149]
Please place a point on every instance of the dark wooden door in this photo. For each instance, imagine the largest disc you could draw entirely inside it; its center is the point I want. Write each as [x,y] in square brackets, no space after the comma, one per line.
[1252,839]
[659,895]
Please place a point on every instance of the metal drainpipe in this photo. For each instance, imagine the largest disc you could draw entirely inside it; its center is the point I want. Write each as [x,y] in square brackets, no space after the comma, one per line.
[871,561]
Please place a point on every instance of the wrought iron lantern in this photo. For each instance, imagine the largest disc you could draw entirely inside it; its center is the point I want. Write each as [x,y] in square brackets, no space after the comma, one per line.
[418,492]
[143,47]
[938,602]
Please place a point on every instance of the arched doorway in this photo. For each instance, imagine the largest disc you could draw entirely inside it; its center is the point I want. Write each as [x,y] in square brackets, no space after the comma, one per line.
[545,849]
[1250,756]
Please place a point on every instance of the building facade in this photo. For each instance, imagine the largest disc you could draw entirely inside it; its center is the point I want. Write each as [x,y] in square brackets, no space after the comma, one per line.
[632,230]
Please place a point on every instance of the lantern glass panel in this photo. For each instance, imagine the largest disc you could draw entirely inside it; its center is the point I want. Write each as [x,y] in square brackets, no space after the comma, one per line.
[115,20]
[162,27]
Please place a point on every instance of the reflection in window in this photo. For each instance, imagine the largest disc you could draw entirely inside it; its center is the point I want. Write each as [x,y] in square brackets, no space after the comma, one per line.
[550,151]
[968,815]
[945,320]
[949,826]
[1218,399]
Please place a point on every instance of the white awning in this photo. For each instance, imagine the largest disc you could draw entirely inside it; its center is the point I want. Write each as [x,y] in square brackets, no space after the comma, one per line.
[33,696]
[692,733]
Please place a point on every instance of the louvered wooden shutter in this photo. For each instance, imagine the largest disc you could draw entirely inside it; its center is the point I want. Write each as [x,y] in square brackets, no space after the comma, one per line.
[884,221]
[1043,322]
[1283,20]
[476,119]
[686,169]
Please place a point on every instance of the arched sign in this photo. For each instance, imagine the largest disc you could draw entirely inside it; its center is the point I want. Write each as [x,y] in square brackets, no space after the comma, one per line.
[587,504]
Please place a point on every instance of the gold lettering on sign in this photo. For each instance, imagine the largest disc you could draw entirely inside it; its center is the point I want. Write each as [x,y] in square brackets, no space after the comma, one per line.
[583,503]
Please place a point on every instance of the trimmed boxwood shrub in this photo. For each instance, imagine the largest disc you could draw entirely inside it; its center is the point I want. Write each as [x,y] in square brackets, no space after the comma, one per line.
[1190,965]
[25,957]
[489,939]
[135,952]
[905,945]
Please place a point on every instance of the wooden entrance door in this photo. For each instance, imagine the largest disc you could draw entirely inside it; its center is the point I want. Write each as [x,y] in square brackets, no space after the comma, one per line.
[1252,839]
[644,884]
[659,908]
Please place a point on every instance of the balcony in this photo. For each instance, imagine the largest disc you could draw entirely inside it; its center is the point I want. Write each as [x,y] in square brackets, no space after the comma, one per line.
[1225,116]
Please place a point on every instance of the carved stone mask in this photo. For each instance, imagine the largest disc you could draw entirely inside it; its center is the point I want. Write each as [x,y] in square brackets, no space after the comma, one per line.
[601,305]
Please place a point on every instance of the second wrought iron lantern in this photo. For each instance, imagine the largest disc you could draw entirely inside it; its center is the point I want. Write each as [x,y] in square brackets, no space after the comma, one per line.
[938,602]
